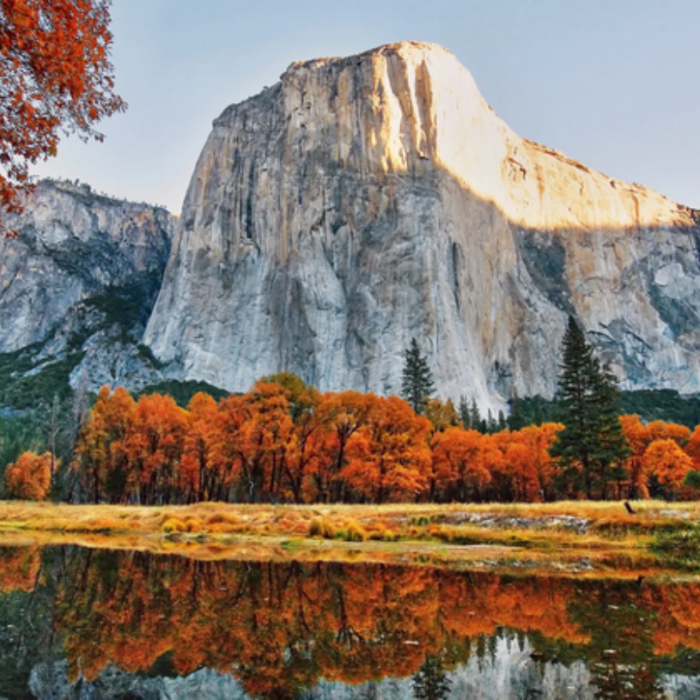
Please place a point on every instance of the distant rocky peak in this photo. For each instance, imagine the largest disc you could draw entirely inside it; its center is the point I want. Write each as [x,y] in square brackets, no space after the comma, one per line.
[77,287]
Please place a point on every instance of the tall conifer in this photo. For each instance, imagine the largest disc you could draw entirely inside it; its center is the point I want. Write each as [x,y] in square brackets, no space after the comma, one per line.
[463,411]
[475,420]
[417,385]
[590,448]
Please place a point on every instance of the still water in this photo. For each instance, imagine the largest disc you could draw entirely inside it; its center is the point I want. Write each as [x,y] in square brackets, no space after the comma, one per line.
[81,623]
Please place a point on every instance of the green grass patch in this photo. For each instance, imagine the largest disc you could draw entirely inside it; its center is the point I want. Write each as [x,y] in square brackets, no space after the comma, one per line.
[679,547]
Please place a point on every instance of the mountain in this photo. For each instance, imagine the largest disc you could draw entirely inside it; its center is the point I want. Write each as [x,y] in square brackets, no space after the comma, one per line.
[77,287]
[358,203]
[367,200]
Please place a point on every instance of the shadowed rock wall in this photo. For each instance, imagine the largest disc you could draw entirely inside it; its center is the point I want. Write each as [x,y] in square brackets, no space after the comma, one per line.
[80,281]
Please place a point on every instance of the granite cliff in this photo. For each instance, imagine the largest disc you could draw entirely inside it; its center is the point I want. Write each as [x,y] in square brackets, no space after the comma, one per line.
[358,203]
[77,287]
[365,200]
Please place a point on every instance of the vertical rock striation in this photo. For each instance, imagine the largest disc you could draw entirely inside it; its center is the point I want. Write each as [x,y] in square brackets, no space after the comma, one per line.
[362,201]
[80,281]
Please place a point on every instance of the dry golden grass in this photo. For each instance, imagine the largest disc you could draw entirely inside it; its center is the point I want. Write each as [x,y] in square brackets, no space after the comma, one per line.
[598,526]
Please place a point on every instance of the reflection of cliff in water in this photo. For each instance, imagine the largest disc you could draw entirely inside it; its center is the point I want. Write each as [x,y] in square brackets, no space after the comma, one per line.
[130,624]
[512,674]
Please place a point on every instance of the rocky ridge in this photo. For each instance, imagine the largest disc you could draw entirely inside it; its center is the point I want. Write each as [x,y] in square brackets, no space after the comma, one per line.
[77,287]
[358,203]
[365,200]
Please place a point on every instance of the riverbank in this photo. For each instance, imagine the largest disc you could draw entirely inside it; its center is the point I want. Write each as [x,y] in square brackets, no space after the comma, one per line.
[574,532]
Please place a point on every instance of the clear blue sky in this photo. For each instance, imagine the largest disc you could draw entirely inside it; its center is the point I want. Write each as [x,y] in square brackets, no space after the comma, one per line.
[613,83]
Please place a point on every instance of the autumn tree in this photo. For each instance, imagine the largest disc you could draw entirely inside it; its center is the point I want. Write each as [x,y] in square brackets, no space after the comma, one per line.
[441,415]
[636,482]
[417,383]
[100,458]
[693,448]
[55,76]
[669,464]
[388,458]
[266,437]
[228,451]
[342,415]
[153,449]
[29,478]
[195,471]
[539,439]
[304,445]
[459,471]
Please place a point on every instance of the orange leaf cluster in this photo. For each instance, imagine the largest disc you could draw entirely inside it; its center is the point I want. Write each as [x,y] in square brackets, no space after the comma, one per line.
[29,478]
[285,442]
[662,455]
[55,75]
[19,568]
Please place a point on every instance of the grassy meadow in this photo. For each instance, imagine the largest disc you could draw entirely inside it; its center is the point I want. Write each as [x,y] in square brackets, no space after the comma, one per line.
[567,534]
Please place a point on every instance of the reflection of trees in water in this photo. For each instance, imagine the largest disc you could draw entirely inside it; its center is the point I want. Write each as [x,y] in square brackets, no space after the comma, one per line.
[615,681]
[279,628]
[431,682]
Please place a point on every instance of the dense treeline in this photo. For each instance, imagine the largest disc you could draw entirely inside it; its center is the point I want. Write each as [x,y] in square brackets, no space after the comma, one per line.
[286,442]
[649,404]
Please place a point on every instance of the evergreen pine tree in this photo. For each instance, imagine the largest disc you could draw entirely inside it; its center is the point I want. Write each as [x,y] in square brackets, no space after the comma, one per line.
[474,416]
[516,420]
[613,443]
[464,414]
[417,385]
[491,425]
[502,422]
[592,442]
[431,682]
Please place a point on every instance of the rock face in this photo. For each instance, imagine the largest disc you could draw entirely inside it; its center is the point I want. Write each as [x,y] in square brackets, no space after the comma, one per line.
[362,201]
[80,281]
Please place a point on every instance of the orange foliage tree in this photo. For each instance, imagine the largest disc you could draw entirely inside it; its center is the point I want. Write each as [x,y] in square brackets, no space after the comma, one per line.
[100,457]
[693,448]
[539,439]
[388,457]
[303,448]
[55,74]
[671,457]
[459,472]
[29,478]
[268,435]
[195,473]
[341,415]
[638,438]
[668,463]
[153,448]
[282,441]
